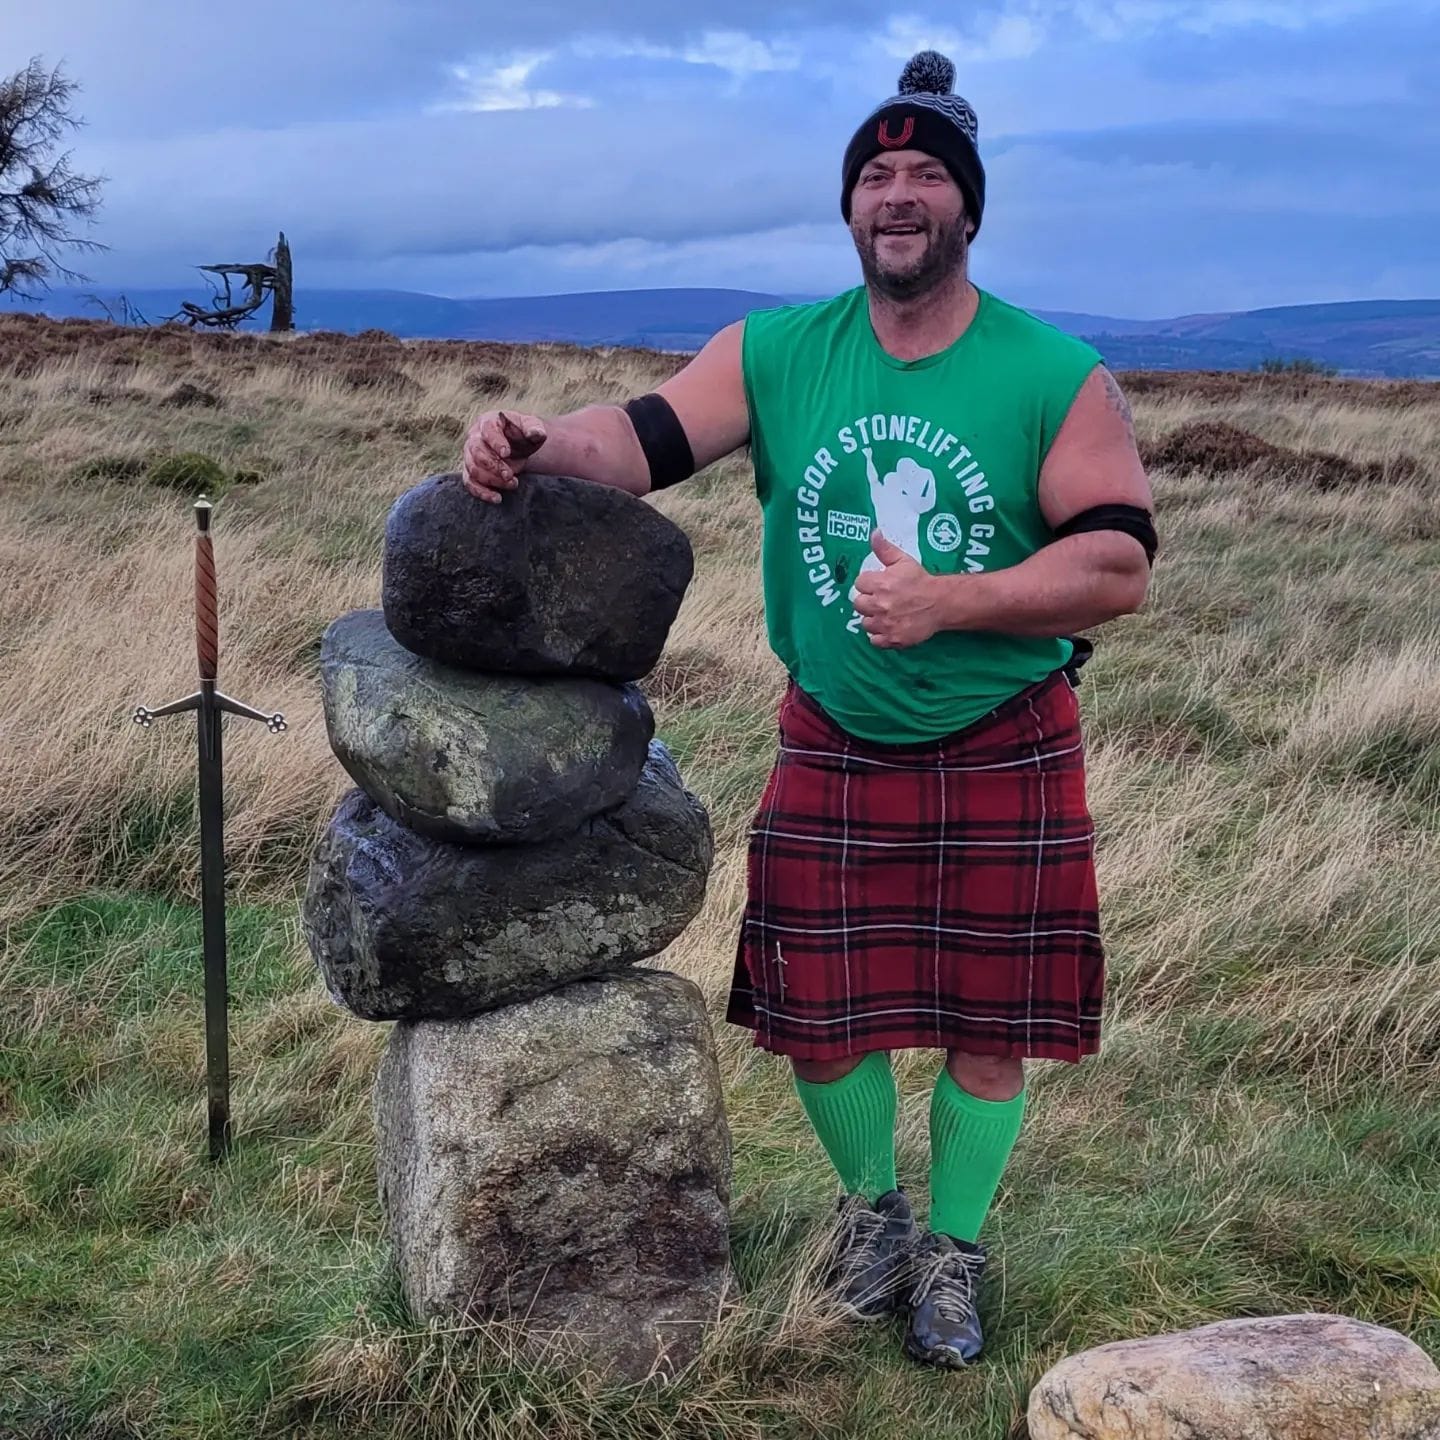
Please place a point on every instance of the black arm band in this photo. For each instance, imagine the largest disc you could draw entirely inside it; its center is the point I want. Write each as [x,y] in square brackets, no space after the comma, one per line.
[1129,518]
[662,438]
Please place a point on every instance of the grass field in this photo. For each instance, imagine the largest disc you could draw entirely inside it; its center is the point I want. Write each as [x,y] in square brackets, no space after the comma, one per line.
[1260,1135]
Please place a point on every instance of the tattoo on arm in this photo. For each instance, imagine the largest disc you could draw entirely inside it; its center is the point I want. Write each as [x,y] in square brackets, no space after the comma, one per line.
[1118,403]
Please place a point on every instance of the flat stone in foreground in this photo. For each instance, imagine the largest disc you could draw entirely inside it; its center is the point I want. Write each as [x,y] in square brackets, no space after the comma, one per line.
[1292,1377]
[563,1164]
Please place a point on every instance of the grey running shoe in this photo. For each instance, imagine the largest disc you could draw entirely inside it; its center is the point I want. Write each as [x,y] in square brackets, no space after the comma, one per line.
[943,1327]
[870,1259]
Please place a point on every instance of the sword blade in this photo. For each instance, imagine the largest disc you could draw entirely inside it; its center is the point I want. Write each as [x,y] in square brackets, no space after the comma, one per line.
[212,915]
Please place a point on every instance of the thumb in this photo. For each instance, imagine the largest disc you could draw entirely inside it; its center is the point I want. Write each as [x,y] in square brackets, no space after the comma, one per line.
[885,552]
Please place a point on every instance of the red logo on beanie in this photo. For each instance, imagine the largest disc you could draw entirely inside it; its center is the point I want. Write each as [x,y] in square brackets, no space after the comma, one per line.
[892,142]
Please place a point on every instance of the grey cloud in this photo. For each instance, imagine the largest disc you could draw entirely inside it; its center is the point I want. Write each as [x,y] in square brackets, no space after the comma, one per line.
[802,259]
[1154,239]
[454,184]
[1192,261]
[1385,39]
[1263,144]
[1383,160]
[540,22]
[168,66]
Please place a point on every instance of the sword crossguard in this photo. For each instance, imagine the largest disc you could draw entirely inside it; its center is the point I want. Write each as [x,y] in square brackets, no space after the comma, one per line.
[274,723]
[143,715]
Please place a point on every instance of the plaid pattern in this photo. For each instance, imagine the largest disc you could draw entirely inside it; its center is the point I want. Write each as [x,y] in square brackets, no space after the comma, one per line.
[909,896]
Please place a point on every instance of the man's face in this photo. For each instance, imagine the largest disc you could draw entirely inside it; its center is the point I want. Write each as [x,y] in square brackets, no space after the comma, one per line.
[907,217]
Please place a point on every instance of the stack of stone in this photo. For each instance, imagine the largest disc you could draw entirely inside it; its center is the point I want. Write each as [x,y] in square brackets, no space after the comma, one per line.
[552,1148]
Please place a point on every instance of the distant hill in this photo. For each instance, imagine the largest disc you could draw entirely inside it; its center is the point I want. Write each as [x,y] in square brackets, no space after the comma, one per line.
[1363,337]
[680,319]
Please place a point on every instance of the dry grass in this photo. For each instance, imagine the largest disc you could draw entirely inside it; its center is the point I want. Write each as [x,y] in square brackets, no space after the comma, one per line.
[97,599]
[1263,772]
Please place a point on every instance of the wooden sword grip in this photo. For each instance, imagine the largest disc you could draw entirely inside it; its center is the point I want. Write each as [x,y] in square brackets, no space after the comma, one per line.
[207,620]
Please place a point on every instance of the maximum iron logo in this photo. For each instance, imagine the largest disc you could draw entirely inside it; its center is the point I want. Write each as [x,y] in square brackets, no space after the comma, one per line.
[841,525]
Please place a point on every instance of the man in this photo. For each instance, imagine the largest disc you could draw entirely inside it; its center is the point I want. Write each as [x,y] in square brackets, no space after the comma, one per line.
[949,488]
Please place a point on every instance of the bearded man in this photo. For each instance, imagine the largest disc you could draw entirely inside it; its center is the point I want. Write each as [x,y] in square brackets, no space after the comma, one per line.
[949,489]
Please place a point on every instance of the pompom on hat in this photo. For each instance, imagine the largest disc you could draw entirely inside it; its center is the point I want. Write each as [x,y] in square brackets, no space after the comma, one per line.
[923,115]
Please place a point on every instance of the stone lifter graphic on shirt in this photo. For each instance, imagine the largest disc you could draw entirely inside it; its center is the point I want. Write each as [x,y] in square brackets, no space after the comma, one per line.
[899,500]
[942,455]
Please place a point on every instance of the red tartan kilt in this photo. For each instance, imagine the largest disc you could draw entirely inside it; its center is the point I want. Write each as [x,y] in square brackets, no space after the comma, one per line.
[937,895]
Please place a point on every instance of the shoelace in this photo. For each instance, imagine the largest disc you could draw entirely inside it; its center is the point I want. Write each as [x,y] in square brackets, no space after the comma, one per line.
[862,1227]
[949,1278]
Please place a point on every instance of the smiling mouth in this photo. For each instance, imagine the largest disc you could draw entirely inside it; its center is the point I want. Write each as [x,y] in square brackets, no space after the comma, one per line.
[901,230]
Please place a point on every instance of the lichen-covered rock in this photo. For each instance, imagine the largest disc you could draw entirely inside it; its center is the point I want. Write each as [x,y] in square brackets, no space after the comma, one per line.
[563,1164]
[1291,1377]
[563,577]
[470,758]
[405,927]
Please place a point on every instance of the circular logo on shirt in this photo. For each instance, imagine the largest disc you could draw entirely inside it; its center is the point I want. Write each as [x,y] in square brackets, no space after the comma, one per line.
[944,532]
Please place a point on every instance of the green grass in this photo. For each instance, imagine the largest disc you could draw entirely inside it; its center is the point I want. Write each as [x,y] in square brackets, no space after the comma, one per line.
[148,1293]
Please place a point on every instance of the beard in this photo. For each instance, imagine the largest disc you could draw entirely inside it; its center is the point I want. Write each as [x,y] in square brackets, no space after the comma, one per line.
[944,251]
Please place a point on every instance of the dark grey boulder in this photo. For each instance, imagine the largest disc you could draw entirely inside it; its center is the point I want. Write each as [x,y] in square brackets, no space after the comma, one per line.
[405,927]
[470,758]
[563,1165]
[563,577]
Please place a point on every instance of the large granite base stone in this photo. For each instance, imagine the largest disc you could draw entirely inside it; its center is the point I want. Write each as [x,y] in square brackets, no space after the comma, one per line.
[563,1165]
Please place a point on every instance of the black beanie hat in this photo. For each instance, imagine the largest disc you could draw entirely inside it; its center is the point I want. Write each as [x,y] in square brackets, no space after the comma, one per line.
[923,116]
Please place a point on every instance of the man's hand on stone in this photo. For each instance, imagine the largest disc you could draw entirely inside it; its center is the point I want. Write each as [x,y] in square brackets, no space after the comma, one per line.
[496,449]
[901,603]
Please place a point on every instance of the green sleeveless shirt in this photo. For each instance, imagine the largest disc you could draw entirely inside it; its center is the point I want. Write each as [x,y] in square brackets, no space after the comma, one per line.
[943,455]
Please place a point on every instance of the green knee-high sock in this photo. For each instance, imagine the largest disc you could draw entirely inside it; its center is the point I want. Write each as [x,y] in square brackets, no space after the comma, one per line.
[970,1141]
[854,1117]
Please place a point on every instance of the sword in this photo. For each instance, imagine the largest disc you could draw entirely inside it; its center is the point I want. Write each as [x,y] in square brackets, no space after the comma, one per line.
[209,704]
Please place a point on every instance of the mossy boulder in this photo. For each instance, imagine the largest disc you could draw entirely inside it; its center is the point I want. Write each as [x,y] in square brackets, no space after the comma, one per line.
[472,758]
[408,928]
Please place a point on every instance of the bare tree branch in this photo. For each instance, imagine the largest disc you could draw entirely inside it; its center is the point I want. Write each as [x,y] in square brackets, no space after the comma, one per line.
[128,314]
[42,199]
[260,280]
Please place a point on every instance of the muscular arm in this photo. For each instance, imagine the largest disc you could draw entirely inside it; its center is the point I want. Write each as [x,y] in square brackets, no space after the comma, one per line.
[1082,580]
[1071,585]
[597,443]
[708,396]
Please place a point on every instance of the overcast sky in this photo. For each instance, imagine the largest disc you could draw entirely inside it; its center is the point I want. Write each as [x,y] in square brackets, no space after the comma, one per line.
[1144,157]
